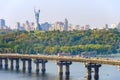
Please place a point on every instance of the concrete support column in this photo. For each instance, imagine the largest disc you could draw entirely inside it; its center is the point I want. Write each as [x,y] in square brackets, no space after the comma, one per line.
[60,69]
[89,66]
[37,68]
[89,72]
[96,70]
[43,68]
[89,78]
[11,64]
[67,70]
[6,64]
[29,66]
[96,74]
[23,66]
[1,64]
[60,77]
[17,64]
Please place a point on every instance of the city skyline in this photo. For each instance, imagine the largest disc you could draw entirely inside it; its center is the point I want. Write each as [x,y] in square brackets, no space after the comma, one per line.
[94,13]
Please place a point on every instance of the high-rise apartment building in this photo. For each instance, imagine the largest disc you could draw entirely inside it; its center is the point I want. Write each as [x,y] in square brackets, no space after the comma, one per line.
[86,27]
[2,23]
[116,25]
[66,25]
[57,26]
[77,27]
[17,26]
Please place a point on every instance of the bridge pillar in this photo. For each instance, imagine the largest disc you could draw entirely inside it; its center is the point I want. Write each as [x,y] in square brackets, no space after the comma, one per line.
[89,66]
[1,64]
[96,75]
[11,64]
[96,72]
[68,68]
[29,66]
[60,69]
[17,64]
[43,66]
[89,72]
[23,65]
[37,62]
[60,77]
[6,64]
[37,68]
[29,60]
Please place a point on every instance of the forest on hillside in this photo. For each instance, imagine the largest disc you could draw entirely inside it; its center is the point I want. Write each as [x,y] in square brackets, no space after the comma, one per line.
[51,42]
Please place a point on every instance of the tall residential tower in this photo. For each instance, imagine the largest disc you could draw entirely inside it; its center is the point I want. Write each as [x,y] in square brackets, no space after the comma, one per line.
[2,23]
[66,25]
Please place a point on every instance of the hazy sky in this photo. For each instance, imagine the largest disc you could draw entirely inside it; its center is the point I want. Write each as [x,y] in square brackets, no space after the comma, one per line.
[93,12]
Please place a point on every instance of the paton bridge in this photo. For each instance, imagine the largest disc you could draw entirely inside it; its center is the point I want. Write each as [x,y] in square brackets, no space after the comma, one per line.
[61,61]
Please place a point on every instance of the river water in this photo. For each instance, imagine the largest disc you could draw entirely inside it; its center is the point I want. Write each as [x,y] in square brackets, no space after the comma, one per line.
[77,72]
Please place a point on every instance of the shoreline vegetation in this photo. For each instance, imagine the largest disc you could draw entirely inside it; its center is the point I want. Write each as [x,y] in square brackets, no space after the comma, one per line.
[103,41]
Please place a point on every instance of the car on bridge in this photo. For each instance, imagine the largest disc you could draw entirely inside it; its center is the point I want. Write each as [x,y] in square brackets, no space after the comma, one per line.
[89,54]
[63,54]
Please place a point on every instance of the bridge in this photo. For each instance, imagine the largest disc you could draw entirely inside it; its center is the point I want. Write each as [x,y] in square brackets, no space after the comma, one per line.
[61,61]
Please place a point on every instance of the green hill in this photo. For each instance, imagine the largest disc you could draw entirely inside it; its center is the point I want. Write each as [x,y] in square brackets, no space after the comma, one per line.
[75,42]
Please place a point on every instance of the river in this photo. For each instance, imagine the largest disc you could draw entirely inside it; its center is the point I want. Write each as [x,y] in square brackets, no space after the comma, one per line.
[77,72]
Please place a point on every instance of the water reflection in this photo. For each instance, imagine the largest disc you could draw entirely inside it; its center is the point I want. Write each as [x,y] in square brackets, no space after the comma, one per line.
[33,76]
[46,76]
[60,77]
[96,77]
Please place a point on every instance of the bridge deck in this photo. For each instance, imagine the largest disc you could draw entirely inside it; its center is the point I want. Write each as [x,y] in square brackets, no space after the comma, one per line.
[64,58]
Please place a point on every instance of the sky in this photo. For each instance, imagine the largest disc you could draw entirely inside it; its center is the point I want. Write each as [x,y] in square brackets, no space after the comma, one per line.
[93,12]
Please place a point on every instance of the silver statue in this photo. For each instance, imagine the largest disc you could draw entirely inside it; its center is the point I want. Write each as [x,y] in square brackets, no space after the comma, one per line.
[37,15]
